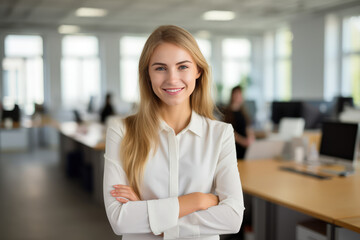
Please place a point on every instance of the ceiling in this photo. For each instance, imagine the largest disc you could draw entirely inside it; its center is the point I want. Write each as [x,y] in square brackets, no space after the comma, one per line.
[252,16]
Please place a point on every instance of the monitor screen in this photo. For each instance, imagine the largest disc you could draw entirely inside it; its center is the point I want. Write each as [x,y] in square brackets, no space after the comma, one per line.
[315,112]
[342,102]
[280,110]
[339,140]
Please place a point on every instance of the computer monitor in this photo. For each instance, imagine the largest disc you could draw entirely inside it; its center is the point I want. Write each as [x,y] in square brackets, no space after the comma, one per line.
[341,103]
[315,112]
[280,110]
[14,114]
[339,143]
[312,111]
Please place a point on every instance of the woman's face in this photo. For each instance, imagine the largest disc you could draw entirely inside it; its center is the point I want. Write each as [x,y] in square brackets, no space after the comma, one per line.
[173,73]
[238,98]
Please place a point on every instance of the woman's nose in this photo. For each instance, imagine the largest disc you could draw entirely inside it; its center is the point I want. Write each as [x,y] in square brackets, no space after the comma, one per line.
[172,75]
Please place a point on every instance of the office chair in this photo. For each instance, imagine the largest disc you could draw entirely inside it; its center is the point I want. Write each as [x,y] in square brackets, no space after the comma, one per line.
[291,127]
[264,149]
[288,129]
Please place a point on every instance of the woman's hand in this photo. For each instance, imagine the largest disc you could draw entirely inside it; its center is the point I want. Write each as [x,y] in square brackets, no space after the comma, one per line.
[124,193]
[196,201]
[208,200]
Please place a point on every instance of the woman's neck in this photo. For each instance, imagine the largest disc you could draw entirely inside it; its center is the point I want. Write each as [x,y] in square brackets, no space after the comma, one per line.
[177,117]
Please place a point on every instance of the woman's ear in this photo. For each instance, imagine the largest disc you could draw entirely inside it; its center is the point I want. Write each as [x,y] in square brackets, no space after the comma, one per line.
[198,73]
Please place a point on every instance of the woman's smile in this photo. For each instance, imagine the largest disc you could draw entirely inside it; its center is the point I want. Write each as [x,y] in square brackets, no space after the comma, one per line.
[173,91]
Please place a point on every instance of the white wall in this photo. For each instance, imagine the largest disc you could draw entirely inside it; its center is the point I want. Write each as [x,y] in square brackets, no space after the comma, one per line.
[256,89]
[308,57]
[1,57]
[52,70]
[110,70]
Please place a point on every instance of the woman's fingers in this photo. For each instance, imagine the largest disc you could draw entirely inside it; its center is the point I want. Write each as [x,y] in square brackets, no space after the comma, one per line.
[124,191]
[124,194]
[122,200]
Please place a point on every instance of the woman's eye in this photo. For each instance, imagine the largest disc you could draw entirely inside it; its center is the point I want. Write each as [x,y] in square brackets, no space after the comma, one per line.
[160,68]
[182,67]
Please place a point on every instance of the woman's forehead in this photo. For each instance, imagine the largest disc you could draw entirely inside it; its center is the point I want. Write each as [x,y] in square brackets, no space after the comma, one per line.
[171,53]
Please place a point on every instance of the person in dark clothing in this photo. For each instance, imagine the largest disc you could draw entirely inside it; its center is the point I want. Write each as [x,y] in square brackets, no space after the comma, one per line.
[236,115]
[107,110]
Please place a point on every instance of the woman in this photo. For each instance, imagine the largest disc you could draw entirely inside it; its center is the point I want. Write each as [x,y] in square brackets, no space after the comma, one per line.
[170,170]
[237,116]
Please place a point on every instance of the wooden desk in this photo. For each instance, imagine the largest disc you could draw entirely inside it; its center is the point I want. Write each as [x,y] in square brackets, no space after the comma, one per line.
[349,223]
[328,200]
[29,127]
[38,121]
[91,134]
[89,140]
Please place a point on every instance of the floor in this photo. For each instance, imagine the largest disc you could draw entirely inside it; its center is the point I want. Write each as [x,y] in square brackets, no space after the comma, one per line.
[38,202]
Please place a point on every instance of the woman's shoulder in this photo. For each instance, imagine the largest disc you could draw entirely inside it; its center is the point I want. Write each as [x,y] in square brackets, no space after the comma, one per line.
[216,124]
[117,124]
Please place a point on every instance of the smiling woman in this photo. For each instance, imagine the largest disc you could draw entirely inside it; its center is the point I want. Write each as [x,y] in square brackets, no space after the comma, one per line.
[176,175]
[173,75]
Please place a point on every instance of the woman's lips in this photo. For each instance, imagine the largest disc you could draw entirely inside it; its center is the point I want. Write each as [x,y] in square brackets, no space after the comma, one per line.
[173,91]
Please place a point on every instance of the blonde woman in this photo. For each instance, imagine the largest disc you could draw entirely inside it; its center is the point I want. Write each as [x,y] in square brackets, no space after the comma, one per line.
[171,169]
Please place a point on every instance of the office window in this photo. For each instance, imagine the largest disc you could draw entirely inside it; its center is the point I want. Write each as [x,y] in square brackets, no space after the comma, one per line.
[283,49]
[236,65]
[331,63]
[205,48]
[23,76]
[269,83]
[351,58]
[80,71]
[130,51]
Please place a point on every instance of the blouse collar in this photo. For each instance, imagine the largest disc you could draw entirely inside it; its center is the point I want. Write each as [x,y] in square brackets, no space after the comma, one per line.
[194,126]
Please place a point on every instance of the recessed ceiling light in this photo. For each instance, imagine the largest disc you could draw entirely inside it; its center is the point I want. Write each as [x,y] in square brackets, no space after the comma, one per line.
[218,15]
[91,12]
[67,29]
[203,34]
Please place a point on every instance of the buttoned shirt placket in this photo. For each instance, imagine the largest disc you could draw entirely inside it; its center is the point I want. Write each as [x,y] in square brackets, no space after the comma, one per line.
[173,164]
[173,141]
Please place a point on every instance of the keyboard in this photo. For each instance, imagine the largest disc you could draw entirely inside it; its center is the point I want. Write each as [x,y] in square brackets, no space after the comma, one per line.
[305,173]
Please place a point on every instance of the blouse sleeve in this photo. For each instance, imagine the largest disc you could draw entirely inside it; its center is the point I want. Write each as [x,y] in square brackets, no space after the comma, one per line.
[154,216]
[227,216]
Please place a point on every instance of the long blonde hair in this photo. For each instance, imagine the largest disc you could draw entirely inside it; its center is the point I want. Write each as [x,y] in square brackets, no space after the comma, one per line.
[141,133]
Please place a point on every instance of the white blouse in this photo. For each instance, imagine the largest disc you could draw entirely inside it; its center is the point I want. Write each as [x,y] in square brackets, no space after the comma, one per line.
[201,158]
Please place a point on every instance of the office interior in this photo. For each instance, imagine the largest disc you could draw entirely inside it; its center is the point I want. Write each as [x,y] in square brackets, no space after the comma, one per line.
[59,59]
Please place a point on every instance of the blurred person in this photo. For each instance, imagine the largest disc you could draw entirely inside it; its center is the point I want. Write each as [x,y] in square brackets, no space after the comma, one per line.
[107,110]
[236,115]
[170,169]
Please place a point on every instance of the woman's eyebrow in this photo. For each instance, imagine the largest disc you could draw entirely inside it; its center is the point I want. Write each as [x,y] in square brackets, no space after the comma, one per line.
[158,63]
[185,61]
[163,64]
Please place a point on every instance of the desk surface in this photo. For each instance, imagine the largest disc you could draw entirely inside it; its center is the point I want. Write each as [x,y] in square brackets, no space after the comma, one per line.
[89,134]
[349,223]
[328,200]
[38,121]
